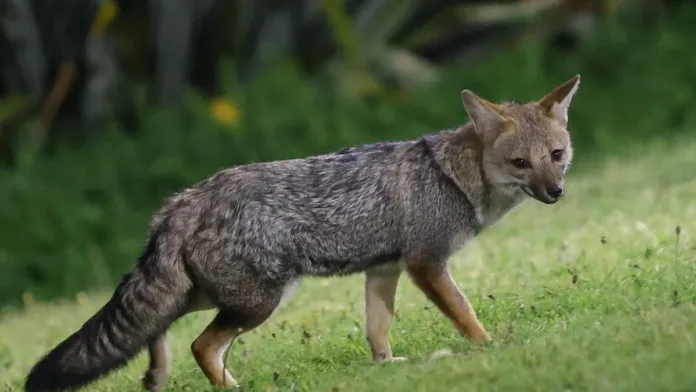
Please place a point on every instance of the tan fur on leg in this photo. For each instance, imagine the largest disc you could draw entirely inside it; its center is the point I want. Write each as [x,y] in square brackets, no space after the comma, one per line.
[439,287]
[210,350]
[380,290]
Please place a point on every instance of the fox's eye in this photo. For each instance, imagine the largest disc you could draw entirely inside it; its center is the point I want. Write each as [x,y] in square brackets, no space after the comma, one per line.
[556,155]
[520,163]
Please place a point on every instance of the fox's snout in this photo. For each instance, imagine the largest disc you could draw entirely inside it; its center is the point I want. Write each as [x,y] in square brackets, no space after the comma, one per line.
[546,194]
[555,192]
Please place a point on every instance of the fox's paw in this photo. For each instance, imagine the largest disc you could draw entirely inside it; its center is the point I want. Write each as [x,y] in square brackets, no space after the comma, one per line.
[154,379]
[479,336]
[486,338]
[394,359]
[391,359]
[227,383]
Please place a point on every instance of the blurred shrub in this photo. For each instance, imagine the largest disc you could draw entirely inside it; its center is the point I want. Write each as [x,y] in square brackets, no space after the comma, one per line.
[80,61]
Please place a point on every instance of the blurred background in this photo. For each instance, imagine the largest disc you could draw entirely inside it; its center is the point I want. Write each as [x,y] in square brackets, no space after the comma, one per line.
[107,107]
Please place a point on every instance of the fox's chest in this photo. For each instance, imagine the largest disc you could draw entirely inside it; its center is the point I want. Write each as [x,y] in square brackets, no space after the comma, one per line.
[499,205]
[487,217]
[460,239]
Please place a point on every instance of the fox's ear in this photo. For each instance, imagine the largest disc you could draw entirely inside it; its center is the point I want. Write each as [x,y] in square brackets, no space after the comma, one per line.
[482,113]
[556,103]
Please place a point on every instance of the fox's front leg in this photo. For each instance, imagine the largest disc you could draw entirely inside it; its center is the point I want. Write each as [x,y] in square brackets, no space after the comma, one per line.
[437,284]
[380,292]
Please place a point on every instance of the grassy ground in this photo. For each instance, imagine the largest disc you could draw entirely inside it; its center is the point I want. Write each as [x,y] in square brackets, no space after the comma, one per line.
[595,293]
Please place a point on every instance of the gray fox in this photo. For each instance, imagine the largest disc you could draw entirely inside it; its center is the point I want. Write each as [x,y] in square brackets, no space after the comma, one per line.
[240,240]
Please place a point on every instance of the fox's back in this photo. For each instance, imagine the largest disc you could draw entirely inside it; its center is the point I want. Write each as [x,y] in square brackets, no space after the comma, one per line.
[323,215]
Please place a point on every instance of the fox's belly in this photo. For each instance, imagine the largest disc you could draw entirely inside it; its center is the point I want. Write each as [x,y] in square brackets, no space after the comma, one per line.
[348,263]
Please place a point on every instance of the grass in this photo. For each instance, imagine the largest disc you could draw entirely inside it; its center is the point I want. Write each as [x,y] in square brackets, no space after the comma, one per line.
[595,293]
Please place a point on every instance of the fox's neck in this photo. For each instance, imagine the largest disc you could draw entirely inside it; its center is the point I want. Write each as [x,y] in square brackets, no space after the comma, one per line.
[459,155]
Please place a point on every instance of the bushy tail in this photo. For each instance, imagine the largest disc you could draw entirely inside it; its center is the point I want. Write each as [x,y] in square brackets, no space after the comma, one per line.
[146,302]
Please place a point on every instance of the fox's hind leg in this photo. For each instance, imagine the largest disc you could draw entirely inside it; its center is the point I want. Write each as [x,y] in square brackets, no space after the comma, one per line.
[156,375]
[380,291]
[210,350]
[245,313]
[160,359]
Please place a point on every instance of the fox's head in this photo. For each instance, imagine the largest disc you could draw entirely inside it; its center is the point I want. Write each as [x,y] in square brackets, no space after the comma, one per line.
[525,146]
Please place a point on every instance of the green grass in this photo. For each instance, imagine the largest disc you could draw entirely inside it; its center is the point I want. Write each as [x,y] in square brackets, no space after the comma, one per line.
[595,293]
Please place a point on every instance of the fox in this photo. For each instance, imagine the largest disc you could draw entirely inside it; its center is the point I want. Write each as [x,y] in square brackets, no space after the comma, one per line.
[240,241]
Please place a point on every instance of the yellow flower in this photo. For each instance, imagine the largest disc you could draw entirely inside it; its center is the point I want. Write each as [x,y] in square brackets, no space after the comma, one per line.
[28,298]
[108,10]
[224,111]
[81,297]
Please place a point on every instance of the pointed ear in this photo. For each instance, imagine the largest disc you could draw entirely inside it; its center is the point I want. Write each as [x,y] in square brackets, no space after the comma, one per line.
[481,112]
[556,103]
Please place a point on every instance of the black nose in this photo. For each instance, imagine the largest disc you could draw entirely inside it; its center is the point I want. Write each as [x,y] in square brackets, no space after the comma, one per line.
[555,192]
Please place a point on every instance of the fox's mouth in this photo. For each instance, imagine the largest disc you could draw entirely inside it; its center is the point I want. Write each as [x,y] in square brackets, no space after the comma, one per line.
[530,192]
